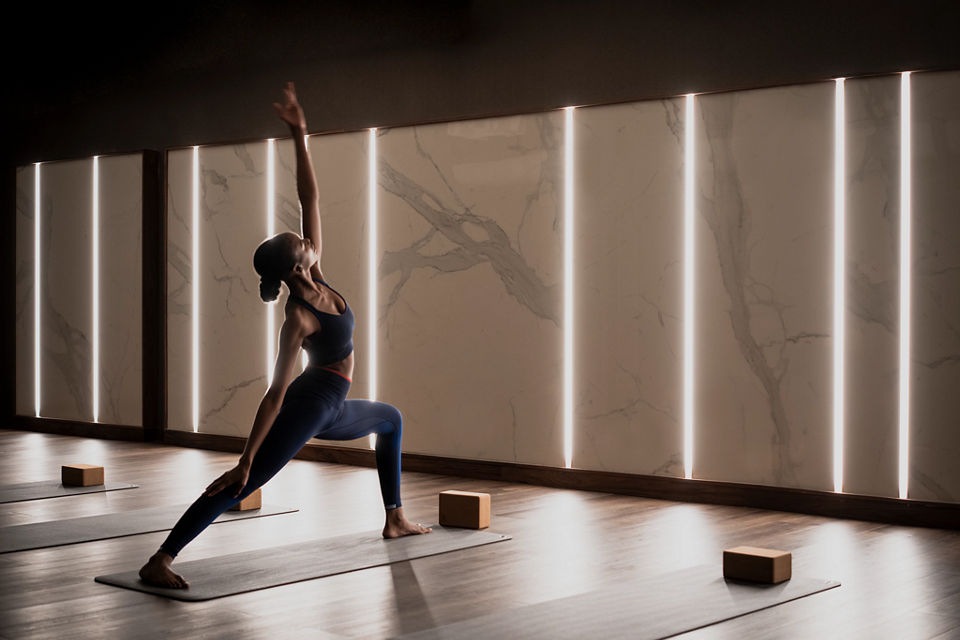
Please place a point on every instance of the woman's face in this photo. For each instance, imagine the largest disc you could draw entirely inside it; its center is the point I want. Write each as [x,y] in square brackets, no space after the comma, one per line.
[302,249]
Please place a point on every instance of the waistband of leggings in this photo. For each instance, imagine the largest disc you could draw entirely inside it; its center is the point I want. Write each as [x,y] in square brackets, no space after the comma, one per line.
[333,371]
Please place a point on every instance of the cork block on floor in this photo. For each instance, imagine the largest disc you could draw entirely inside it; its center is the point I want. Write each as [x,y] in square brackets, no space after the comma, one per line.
[252,501]
[756,564]
[81,475]
[465,509]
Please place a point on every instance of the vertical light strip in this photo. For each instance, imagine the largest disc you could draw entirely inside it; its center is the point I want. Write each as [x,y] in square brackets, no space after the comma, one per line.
[271,339]
[568,286]
[839,279]
[95,374]
[304,359]
[688,282]
[36,288]
[905,274]
[372,268]
[195,259]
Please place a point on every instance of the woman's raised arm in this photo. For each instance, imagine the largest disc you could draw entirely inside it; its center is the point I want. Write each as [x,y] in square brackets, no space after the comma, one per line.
[292,114]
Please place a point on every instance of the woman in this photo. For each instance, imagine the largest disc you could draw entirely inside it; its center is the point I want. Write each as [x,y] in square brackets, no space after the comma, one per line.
[314,405]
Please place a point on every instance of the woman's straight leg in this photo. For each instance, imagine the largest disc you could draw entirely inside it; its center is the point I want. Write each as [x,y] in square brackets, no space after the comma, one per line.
[360,418]
[295,424]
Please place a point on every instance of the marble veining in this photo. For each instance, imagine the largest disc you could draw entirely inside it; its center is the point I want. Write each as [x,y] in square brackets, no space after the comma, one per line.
[121,346]
[66,314]
[340,165]
[232,223]
[519,279]
[935,305]
[25,293]
[471,215]
[766,219]
[628,281]
[872,286]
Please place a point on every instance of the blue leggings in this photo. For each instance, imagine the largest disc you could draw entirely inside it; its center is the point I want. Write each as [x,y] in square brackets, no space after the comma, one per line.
[314,406]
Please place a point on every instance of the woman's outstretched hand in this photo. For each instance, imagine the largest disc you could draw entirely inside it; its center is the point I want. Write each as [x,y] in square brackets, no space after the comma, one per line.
[291,113]
[236,476]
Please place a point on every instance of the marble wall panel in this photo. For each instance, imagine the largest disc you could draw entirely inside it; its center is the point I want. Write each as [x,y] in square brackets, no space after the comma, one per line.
[935,308]
[340,165]
[470,278]
[121,346]
[628,288]
[25,291]
[233,375]
[470,286]
[66,289]
[287,217]
[179,205]
[764,238]
[872,286]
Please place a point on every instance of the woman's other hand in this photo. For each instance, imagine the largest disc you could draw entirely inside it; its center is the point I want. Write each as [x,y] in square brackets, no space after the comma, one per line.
[291,113]
[236,476]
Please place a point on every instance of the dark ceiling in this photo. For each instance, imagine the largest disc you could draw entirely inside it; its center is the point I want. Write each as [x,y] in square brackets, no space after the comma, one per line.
[92,78]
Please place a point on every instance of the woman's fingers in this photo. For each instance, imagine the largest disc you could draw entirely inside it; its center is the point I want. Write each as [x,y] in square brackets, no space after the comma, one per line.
[217,485]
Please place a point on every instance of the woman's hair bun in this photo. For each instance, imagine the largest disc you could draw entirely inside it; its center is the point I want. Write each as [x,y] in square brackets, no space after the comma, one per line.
[269,289]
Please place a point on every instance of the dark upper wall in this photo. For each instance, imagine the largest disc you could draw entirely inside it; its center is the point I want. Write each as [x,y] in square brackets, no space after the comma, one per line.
[199,72]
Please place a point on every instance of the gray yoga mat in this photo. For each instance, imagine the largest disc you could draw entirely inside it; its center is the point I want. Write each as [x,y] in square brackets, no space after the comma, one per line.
[53,489]
[658,606]
[52,533]
[251,570]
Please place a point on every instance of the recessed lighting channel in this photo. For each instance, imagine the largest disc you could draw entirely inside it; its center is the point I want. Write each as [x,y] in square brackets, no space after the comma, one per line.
[688,283]
[96,289]
[271,187]
[36,288]
[905,285]
[839,280]
[196,288]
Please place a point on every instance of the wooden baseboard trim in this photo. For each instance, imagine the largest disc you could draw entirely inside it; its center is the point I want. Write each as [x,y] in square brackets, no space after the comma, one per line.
[82,429]
[916,513]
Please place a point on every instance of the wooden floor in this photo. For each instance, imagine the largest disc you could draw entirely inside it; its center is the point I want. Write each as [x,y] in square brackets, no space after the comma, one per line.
[897,582]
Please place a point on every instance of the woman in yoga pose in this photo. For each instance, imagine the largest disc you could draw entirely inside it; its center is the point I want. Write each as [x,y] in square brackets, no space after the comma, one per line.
[314,405]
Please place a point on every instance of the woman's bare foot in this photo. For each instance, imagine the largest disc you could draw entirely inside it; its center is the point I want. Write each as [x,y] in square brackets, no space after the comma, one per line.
[397,525]
[157,572]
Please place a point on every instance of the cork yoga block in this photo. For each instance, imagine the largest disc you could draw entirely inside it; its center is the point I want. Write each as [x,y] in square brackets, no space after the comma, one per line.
[252,501]
[756,564]
[465,509]
[81,475]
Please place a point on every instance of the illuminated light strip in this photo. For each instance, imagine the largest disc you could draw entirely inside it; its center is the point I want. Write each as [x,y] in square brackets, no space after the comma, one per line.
[904,282]
[688,282]
[36,289]
[304,359]
[839,280]
[372,268]
[196,288]
[270,214]
[96,288]
[568,289]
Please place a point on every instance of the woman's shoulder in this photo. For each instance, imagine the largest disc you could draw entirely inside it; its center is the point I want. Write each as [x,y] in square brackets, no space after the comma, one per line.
[293,311]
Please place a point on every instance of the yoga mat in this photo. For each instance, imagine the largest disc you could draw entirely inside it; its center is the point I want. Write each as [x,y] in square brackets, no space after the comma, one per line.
[53,533]
[657,606]
[53,489]
[251,570]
